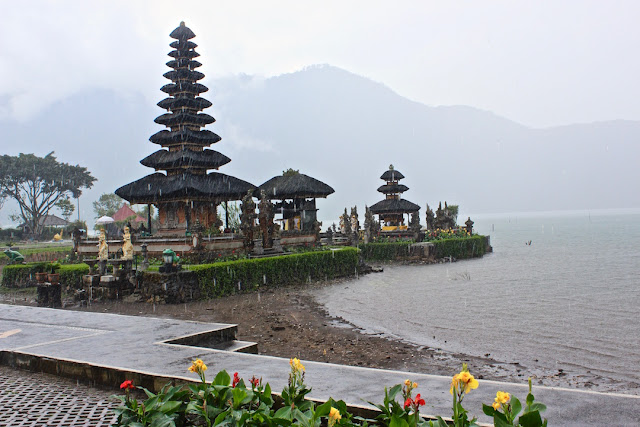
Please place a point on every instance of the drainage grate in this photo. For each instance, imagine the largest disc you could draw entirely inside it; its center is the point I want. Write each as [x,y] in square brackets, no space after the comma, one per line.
[31,399]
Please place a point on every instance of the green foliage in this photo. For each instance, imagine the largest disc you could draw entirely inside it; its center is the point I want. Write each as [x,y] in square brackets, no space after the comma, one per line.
[22,275]
[66,207]
[38,183]
[388,251]
[225,278]
[107,204]
[461,248]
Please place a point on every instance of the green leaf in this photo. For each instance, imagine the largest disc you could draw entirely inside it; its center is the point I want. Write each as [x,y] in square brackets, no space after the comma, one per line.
[323,409]
[442,423]
[499,422]
[530,399]
[394,391]
[284,412]
[222,378]
[162,420]
[397,422]
[540,407]
[151,403]
[516,407]
[488,410]
[530,419]
[170,406]
[238,396]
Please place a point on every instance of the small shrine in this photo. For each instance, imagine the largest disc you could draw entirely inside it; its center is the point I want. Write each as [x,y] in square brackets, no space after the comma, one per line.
[183,189]
[295,195]
[393,208]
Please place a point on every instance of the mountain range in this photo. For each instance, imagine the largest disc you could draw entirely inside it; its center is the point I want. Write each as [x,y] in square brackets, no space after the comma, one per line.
[346,130]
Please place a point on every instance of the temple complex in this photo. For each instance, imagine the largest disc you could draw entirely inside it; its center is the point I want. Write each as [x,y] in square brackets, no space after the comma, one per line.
[392,209]
[182,188]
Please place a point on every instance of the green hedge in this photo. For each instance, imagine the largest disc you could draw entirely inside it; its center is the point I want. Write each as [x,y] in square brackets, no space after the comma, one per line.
[22,275]
[468,247]
[225,278]
[385,251]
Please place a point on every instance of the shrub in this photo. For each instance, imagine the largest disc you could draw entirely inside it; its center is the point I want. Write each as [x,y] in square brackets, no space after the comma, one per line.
[224,278]
[388,251]
[460,248]
[23,275]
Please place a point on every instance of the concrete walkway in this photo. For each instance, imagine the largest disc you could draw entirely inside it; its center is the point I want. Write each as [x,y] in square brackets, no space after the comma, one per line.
[108,348]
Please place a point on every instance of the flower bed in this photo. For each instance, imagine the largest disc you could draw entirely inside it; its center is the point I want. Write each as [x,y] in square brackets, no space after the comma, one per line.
[229,401]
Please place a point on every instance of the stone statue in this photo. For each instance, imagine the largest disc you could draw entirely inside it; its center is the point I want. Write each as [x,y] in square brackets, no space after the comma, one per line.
[127,247]
[355,224]
[247,220]
[345,224]
[265,218]
[414,224]
[14,256]
[430,218]
[103,247]
[371,226]
[469,225]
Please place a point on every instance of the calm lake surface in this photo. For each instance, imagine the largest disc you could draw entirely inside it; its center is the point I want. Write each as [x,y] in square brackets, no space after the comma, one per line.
[568,301]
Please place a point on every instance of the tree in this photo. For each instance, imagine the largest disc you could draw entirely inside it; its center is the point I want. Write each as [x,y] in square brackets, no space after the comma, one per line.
[66,207]
[38,183]
[107,204]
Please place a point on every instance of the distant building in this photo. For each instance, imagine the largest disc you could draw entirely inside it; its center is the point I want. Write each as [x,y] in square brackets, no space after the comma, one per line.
[47,221]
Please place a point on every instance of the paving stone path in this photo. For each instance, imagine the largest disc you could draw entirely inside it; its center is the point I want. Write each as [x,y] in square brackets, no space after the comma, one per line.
[33,399]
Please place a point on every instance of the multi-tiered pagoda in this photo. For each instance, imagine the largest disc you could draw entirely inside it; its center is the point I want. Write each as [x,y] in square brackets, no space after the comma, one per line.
[392,209]
[186,192]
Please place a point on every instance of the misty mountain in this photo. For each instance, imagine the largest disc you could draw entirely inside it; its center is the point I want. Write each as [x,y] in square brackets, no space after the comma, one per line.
[346,130]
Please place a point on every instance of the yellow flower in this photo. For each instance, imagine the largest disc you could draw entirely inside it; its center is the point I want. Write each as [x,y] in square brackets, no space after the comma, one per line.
[334,416]
[407,383]
[503,397]
[296,365]
[496,405]
[465,380]
[198,367]
[414,385]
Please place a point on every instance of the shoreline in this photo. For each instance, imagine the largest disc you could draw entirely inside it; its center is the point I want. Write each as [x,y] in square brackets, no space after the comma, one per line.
[288,322]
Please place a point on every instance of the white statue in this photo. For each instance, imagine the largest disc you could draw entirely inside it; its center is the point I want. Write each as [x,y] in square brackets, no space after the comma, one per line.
[103,247]
[127,247]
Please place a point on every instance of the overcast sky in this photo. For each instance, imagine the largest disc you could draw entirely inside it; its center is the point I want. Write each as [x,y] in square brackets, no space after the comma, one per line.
[542,63]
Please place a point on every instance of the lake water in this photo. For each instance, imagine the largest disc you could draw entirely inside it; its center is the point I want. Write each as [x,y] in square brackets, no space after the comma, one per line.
[569,301]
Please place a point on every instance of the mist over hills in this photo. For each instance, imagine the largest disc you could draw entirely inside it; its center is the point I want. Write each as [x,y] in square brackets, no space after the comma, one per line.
[345,130]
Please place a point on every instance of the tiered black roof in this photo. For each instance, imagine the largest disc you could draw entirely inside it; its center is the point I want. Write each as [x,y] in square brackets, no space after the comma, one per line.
[393,204]
[184,157]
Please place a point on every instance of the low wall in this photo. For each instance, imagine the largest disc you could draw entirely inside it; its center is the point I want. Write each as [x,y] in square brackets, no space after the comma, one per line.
[225,243]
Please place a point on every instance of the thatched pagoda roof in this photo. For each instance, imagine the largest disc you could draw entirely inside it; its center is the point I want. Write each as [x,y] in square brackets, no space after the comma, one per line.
[159,187]
[174,119]
[190,54]
[183,45]
[175,103]
[163,159]
[293,186]
[393,188]
[191,88]
[182,32]
[183,74]
[390,206]
[183,62]
[392,175]
[200,137]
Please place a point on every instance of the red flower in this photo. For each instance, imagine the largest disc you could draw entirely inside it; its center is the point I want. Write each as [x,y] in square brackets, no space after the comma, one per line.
[128,384]
[255,381]
[236,380]
[415,403]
